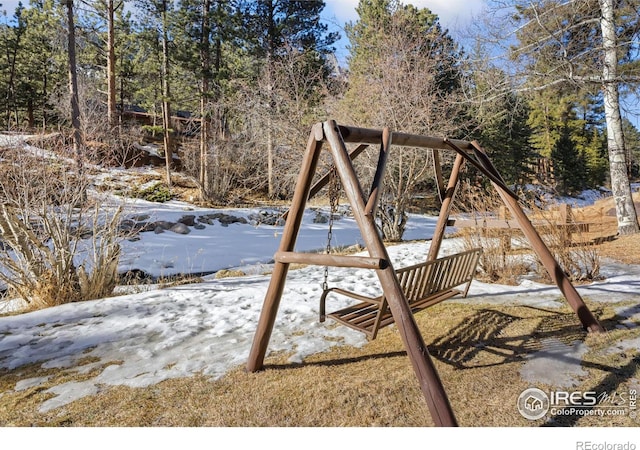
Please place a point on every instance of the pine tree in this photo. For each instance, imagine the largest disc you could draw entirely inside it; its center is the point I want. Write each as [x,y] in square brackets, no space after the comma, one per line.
[569,164]
[587,43]
[501,122]
[205,49]
[505,135]
[38,63]
[12,42]
[159,15]
[78,140]
[632,141]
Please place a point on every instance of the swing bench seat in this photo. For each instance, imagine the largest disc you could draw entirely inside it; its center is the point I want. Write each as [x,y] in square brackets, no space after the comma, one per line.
[424,285]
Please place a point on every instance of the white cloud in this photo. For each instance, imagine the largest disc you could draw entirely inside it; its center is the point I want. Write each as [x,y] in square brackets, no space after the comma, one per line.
[342,10]
[450,12]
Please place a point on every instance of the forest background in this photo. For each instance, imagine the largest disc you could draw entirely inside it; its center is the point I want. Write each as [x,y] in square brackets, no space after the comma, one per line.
[229,89]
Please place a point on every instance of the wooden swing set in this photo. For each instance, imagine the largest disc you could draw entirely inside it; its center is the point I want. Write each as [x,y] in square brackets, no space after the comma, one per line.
[406,290]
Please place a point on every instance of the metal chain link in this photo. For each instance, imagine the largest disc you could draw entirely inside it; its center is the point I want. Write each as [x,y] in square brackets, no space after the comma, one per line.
[334,197]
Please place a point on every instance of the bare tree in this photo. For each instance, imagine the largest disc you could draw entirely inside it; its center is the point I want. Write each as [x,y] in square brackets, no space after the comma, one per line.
[620,187]
[407,78]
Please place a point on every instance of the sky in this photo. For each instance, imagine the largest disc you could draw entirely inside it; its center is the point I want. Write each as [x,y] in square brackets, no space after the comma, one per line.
[149,334]
[450,12]
[453,15]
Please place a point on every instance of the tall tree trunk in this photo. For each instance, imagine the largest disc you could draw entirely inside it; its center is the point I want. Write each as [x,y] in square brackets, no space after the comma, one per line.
[45,89]
[73,86]
[205,61]
[166,94]
[30,113]
[270,99]
[269,137]
[620,186]
[111,66]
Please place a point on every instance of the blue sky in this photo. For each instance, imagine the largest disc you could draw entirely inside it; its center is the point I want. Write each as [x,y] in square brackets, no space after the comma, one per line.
[450,12]
[453,14]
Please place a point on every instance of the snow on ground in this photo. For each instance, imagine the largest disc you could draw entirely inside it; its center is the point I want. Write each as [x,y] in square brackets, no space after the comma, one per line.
[142,338]
[146,337]
[556,364]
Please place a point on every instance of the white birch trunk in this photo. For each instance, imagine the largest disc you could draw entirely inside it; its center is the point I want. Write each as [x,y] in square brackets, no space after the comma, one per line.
[620,187]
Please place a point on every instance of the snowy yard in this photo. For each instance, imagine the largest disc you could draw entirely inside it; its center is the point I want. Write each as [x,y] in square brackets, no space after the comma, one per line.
[207,327]
[148,333]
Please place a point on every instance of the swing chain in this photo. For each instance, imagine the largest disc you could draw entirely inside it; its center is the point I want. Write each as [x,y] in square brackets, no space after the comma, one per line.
[334,197]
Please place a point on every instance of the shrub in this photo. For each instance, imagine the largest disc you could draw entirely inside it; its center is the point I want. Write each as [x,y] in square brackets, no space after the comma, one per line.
[498,263]
[504,262]
[578,257]
[158,192]
[58,246]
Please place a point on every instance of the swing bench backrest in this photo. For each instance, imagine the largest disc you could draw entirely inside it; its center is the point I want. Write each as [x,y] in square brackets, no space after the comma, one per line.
[423,285]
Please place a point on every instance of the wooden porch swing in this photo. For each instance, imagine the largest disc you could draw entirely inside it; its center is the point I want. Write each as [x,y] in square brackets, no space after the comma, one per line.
[424,284]
[405,290]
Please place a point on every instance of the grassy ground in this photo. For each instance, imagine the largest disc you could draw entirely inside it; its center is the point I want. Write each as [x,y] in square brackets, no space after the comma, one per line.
[478,350]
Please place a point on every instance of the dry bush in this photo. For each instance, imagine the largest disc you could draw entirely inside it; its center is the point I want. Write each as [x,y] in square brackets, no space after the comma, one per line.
[578,257]
[507,254]
[498,263]
[118,148]
[57,247]
[234,170]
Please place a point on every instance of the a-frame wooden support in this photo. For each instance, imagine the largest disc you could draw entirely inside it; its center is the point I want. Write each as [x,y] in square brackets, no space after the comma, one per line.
[363,210]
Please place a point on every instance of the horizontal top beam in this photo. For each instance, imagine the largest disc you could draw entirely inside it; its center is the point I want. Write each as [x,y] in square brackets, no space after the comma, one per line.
[373,136]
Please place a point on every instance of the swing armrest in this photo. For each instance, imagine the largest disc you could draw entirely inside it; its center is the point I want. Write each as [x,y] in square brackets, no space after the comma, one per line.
[363,298]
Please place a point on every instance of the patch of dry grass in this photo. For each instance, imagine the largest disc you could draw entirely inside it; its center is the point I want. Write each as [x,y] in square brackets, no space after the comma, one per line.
[478,351]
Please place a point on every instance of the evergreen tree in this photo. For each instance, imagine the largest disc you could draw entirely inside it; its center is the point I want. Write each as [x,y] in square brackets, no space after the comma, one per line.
[33,66]
[158,15]
[586,43]
[569,165]
[11,44]
[74,102]
[205,48]
[505,135]
[632,139]
[501,123]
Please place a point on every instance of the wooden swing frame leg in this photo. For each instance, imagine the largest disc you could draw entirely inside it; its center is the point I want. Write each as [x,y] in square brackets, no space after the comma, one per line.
[589,322]
[430,383]
[445,209]
[287,243]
